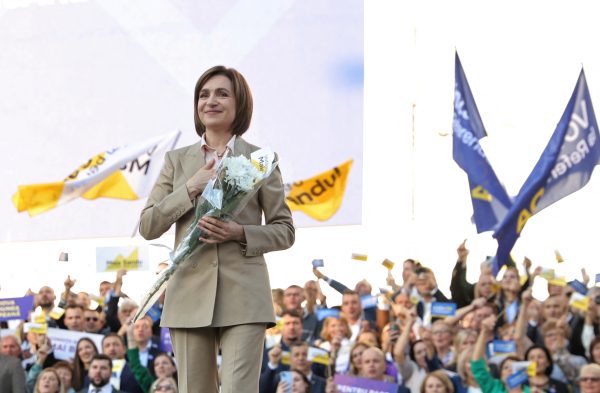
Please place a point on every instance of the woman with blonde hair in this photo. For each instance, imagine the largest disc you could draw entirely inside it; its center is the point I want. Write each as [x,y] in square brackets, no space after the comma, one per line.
[355,357]
[48,382]
[437,382]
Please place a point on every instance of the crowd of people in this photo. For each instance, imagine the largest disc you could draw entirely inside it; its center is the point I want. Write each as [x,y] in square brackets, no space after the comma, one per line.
[487,336]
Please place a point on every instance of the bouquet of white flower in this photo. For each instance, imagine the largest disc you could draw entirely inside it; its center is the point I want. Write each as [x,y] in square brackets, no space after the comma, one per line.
[235,181]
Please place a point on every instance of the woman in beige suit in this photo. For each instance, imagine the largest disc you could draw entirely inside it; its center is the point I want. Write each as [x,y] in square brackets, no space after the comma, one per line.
[220,296]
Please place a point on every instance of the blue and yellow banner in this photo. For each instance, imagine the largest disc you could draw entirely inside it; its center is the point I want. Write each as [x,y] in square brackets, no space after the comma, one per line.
[488,196]
[565,166]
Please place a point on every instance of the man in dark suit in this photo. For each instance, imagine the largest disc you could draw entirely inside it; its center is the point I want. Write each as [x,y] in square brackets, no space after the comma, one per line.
[99,374]
[114,347]
[269,378]
[428,291]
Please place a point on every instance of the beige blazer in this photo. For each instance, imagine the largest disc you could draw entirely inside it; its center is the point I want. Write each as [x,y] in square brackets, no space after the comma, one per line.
[223,284]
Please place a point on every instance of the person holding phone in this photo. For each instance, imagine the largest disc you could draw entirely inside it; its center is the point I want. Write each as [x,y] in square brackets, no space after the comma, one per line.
[293,382]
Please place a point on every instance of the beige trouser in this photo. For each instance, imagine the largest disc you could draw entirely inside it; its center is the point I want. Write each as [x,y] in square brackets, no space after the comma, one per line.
[241,358]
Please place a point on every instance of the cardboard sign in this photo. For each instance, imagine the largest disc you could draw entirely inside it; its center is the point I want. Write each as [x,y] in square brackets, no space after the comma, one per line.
[112,259]
[318,263]
[323,313]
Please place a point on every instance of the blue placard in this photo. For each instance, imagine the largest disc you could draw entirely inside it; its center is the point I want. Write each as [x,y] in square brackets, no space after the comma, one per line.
[317,263]
[368,301]
[597,277]
[165,340]
[504,347]
[16,308]
[323,313]
[443,309]
[517,379]
[578,286]
[155,312]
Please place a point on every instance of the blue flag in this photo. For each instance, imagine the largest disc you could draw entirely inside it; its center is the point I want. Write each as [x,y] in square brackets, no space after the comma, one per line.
[489,198]
[565,166]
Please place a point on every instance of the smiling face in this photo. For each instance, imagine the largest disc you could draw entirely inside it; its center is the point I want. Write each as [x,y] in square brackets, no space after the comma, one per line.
[356,356]
[216,104]
[85,351]
[539,357]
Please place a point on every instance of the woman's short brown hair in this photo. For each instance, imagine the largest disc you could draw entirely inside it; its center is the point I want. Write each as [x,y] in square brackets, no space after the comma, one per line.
[241,94]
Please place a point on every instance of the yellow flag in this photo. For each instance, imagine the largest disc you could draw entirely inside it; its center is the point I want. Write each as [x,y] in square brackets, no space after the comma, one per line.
[559,257]
[579,301]
[127,172]
[359,257]
[318,355]
[320,196]
[388,264]
[559,281]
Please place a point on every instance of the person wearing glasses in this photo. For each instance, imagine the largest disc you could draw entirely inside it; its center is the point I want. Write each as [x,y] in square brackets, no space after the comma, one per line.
[94,321]
[589,378]
[166,385]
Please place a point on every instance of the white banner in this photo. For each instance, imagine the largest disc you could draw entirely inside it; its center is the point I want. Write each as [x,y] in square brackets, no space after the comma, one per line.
[81,76]
[64,342]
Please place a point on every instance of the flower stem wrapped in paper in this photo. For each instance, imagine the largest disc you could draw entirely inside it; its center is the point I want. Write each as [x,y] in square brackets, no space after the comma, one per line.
[235,181]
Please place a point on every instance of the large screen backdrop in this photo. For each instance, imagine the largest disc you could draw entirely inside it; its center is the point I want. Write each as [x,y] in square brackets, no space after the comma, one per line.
[80,77]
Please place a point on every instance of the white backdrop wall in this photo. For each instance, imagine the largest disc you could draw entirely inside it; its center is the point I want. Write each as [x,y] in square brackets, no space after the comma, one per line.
[82,77]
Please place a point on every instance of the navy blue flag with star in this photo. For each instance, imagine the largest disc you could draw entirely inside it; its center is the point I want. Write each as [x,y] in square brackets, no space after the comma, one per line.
[489,198]
[564,167]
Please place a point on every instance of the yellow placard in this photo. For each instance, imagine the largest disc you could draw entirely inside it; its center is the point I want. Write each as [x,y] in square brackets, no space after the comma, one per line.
[359,257]
[388,264]
[56,313]
[579,301]
[559,257]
